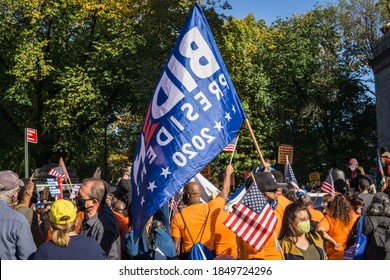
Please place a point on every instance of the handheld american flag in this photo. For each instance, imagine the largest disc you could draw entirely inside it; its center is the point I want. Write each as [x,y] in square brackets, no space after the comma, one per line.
[252,219]
[194,113]
[175,202]
[231,146]
[328,186]
[290,178]
[57,171]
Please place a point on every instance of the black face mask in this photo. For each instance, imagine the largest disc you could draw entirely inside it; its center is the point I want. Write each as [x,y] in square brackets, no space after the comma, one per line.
[80,203]
[272,202]
[35,197]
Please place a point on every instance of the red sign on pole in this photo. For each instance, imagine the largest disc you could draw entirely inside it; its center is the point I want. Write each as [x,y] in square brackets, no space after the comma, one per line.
[32,135]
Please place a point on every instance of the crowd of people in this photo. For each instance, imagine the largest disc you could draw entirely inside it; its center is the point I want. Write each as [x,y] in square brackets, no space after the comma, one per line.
[97,223]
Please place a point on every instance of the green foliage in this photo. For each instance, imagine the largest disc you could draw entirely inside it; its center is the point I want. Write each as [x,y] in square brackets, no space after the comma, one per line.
[82,72]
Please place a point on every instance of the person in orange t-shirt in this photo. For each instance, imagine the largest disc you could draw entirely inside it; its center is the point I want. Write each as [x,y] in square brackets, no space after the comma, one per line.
[195,215]
[271,249]
[306,201]
[225,239]
[123,223]
[336,225]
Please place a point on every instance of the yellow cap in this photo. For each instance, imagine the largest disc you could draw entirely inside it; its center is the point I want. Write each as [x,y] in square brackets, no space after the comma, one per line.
[62,212]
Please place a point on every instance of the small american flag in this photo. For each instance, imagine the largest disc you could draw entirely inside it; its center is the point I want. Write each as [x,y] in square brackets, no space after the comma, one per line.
[174,202]
[57,171]
[231,146]
[290,177]
[252,219]
[328,186]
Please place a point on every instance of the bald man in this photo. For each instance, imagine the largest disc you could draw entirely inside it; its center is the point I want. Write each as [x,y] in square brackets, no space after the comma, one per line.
[198,215]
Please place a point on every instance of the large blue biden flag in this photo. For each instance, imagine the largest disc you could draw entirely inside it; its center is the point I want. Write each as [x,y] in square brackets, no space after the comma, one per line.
[194,113]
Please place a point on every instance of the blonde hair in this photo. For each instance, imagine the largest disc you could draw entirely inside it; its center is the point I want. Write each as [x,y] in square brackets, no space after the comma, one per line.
[61,233]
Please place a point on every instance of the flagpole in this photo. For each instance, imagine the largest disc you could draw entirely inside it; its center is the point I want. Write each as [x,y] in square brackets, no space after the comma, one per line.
[318,193]
[277,245]
[235,146]
[66,175]
[256,145]
[285,167]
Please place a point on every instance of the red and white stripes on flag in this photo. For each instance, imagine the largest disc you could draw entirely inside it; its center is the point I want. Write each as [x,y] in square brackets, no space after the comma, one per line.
[174,202]
[231,146]
[57,171]
[328,186]
[253,219]
[290,177]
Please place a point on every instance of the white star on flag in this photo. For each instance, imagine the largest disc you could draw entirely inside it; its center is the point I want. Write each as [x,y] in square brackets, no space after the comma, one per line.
[228,117]
[218,126]
[165,172]
[152,186]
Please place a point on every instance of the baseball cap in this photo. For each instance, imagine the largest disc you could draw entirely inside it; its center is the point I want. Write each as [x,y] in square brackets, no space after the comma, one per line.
[62,212]
[266,181]
[352,162]
[9,181]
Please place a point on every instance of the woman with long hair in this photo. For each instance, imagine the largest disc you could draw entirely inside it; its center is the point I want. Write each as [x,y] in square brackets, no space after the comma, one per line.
[298,239]
[377,228]
[336,225]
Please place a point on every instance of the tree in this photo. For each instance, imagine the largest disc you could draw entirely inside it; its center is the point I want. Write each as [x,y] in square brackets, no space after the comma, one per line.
[73,68]
[318,94]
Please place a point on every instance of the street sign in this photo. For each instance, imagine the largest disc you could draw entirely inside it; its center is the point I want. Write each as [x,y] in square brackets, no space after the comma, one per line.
[32,135]
[285,150]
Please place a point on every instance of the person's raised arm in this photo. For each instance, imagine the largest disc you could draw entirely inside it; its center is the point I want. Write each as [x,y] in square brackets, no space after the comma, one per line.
[226,182]
[321,230]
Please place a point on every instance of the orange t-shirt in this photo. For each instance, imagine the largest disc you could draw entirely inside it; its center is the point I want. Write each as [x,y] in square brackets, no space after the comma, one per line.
[316,215]
[271,249]
[122,228]
[225,239]
[195,216]
[339,232]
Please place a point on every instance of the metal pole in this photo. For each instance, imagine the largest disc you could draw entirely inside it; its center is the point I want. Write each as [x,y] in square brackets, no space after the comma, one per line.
[25,154]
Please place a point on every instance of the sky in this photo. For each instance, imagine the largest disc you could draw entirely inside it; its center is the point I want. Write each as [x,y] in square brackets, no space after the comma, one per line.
[270,10]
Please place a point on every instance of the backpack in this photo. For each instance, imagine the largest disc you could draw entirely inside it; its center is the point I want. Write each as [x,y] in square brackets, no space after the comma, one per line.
[157,244]
[357,250]
[198,251]
[379,241]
